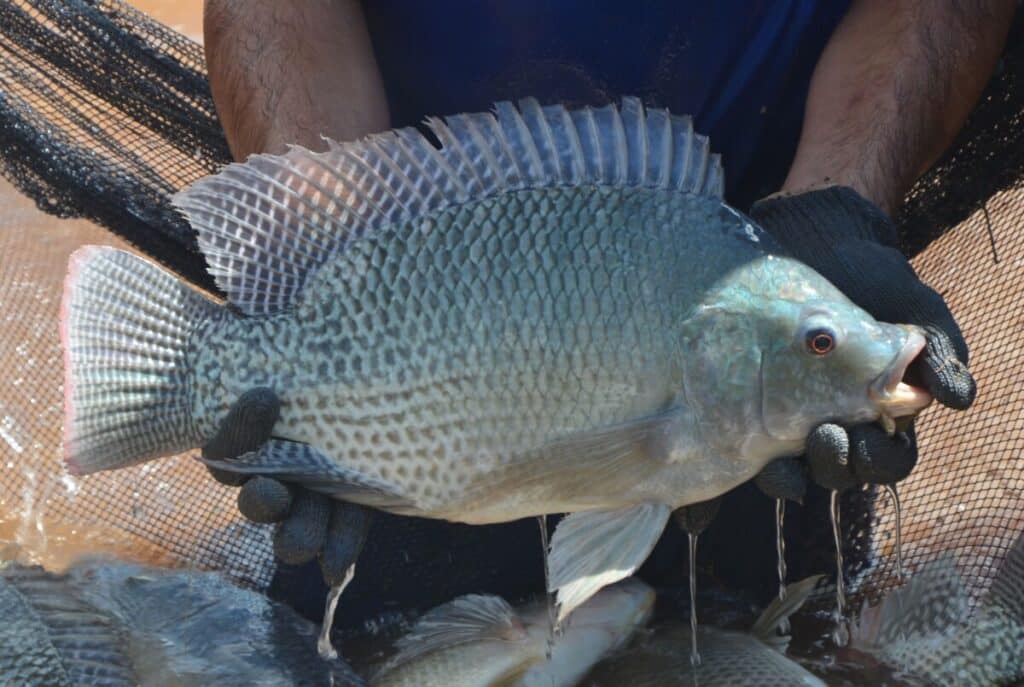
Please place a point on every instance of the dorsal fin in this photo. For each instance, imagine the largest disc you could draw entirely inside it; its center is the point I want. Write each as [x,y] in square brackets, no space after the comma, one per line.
[932,602]
[780,609]
[266,224]
[1007,590]
[470,618]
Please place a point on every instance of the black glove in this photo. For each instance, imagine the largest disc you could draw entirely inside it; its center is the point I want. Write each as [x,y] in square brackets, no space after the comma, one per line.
[783,478]
[696,517]
[309,525]
[851,243]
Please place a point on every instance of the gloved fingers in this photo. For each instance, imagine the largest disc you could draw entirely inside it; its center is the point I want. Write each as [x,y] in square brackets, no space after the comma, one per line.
[264,500]
[783,478]
[228,478]
[877,458]
[898,296]
[828,457]
[695,517]
[798,216]
[247,426]
[346,534]
[942,370]
[301,535]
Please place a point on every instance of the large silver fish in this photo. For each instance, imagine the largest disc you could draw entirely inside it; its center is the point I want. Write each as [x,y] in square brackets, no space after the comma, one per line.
[111,624]
[728,659]
[481,641]
[555,312]
[925,629]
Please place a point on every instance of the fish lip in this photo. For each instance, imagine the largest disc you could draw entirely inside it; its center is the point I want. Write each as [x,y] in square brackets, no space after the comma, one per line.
[895,397]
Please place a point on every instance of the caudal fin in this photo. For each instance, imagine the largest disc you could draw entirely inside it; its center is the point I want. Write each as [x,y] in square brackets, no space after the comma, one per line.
[125,326]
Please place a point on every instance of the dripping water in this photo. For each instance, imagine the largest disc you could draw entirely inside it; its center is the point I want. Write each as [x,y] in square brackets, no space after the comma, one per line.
[780,550]
[841,634]
[323,643]
[553,629]
[894,496]
[694,652]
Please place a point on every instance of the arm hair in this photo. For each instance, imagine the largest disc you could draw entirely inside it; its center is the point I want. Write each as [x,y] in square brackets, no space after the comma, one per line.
[291,72]
[892,89]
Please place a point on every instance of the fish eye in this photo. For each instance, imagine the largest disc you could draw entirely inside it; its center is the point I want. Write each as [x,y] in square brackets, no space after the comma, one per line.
[820,340]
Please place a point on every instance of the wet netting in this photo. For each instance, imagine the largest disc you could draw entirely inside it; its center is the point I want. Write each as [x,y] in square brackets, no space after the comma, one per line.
[104,113]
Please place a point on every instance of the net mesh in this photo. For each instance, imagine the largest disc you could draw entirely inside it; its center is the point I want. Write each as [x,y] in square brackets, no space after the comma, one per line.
[104,113]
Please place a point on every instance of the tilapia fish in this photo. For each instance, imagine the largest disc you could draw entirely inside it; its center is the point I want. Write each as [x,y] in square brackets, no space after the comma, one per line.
[926,629]
[553,312]
[728,659]
[111,624]
[481,641]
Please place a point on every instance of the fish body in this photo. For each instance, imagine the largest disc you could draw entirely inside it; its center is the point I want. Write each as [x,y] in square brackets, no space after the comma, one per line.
[926,629]
[555,312]
[106,624]
[480,641]
[728,659]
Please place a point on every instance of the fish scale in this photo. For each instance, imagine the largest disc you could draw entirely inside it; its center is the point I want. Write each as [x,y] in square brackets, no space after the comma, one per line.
[492,392]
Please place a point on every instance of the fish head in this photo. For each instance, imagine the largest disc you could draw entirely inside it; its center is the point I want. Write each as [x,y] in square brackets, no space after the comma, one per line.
[824,359]
[797,353]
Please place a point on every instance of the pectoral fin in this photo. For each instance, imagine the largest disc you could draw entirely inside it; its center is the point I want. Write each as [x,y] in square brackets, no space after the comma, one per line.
[593,549]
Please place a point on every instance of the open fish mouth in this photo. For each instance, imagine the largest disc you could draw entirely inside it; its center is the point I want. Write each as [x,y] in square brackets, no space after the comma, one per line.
[894,397]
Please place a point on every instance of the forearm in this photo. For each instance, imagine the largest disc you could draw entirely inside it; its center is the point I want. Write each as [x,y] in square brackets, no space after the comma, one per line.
[291,72]
[892,88]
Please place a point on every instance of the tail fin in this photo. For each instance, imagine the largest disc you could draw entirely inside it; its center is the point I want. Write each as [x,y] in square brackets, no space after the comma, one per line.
[124,327]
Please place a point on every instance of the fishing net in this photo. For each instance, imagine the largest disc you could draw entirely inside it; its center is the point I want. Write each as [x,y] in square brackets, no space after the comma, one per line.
[104,113]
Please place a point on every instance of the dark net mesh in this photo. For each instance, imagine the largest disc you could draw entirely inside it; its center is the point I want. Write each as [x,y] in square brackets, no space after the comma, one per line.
[104,113]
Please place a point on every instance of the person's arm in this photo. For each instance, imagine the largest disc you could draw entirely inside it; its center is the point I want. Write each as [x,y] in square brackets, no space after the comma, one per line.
[287,72]
[291,72]
[891,90]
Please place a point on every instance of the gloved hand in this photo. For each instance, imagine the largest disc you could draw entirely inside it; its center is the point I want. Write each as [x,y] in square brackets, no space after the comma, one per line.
[851,243]
[309,525]
[783,478]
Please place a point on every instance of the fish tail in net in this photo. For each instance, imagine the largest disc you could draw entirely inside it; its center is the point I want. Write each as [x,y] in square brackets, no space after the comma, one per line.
[125,330]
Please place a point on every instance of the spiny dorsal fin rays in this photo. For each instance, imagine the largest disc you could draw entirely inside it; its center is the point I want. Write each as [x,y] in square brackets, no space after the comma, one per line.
[470,618]
[267,224]
[932,602]
[636,141]
[779,610]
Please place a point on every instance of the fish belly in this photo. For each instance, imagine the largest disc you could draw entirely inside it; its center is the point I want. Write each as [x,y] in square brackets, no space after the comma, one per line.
[439,355]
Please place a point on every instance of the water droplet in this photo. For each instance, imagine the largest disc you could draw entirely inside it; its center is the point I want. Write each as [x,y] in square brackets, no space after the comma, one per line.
[780,551]
[840,635]
[553,628]
[323,644]
[894,496]
[694,650]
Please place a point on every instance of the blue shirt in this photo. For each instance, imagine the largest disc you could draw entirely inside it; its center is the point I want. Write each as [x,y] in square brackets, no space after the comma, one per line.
[739,67]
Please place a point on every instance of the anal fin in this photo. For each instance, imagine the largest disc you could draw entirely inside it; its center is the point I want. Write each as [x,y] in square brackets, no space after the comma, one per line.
[593,549]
